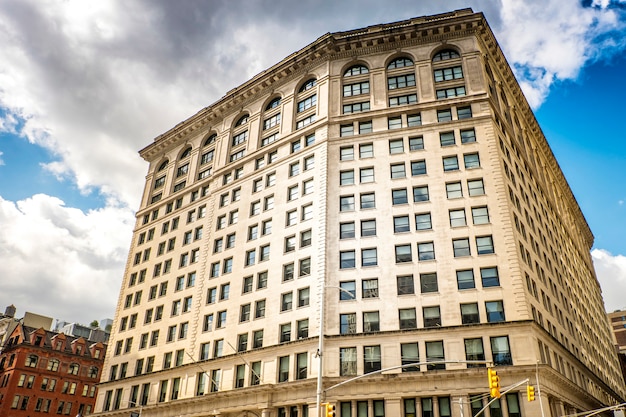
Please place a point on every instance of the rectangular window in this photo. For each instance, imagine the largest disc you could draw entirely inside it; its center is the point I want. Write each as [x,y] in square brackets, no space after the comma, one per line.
[469,313]
[416,143]
[347,361]
[346,153]
[418,167]
[301,367]
[370,288]
[286,302]
[346,177]
[405,284]
[401,81]
[398,171]
[403,253]
[365,127]
[420,193]
[484,245]
[414,120]
[304,267]
[399,196]
[347,323]
[346,230]
[428,283]
[450,163]
[489,277]
[468,136]
[307,103]
[371,359]
[451,92]
[394,123]
[471,160]
[303,328]
[396,146]
[368,200]
[447,139]
[426,251]
[475,187]
[423,221]
[495,311]
[259,309]
[285,332]
[402,100]
[348,290]
[303,297]
[346,203]
[409,355]
[500,350]
[346,130]
[464,112]
[432,316]
[480,215]
[408,318]
[401,224]
[444,115]
[347,259]
[435,352]
[457,218]
[366,150]
[453,190]
[461,247]
[368,227]
[356,107]
[366,175]
[371,321]
[465,279]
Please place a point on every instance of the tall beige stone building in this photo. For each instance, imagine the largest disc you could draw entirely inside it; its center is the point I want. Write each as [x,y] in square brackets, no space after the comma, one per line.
[395,177]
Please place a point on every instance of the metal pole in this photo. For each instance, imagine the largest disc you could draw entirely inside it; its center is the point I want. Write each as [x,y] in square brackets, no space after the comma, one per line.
[538,387]
[320,354]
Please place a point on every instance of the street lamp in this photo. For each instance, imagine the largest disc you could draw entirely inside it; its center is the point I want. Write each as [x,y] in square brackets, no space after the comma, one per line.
[320,345]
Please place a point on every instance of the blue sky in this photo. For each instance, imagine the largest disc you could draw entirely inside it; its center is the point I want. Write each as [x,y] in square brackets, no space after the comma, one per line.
[85,84]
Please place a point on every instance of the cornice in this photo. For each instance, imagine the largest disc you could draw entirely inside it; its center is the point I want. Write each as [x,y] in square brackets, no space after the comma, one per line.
[331,46]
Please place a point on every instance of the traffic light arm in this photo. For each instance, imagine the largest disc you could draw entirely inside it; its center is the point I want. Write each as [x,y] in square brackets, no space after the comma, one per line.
[517,384]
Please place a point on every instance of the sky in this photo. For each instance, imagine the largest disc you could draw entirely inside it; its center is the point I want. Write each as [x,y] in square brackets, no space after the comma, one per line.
[85,84]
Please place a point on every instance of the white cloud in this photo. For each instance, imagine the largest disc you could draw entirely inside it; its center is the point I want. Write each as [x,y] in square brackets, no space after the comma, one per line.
[611,273]
[62,262]
[551,41]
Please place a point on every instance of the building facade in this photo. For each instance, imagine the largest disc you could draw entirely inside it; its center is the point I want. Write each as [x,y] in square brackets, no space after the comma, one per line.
[43,372]
[390,189]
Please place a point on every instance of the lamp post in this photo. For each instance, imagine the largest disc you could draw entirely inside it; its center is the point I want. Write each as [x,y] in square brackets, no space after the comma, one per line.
[320,345]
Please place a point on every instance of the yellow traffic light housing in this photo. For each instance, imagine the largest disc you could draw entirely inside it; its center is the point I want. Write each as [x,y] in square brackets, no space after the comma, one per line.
[494,383]
[330,410]
[530,392]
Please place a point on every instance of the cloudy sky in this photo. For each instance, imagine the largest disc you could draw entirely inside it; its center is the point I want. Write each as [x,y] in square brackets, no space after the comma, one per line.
[85,84]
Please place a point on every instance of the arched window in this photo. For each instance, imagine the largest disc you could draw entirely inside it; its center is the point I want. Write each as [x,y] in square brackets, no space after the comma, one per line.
[210,140]
[2,362]
[242,120]
[163,165]
[31,361]
[356,70]
[53,365]
[400,62]
[73,369]
[93,372]
[185,153]
[308,85]
[273,104]
[445,55]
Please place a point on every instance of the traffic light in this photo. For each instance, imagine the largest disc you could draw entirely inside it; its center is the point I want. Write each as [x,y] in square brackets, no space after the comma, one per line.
[494,383]
[530,392]
[330,410]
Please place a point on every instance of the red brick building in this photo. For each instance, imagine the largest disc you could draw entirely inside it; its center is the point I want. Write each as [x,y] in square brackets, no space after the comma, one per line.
[47,372]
